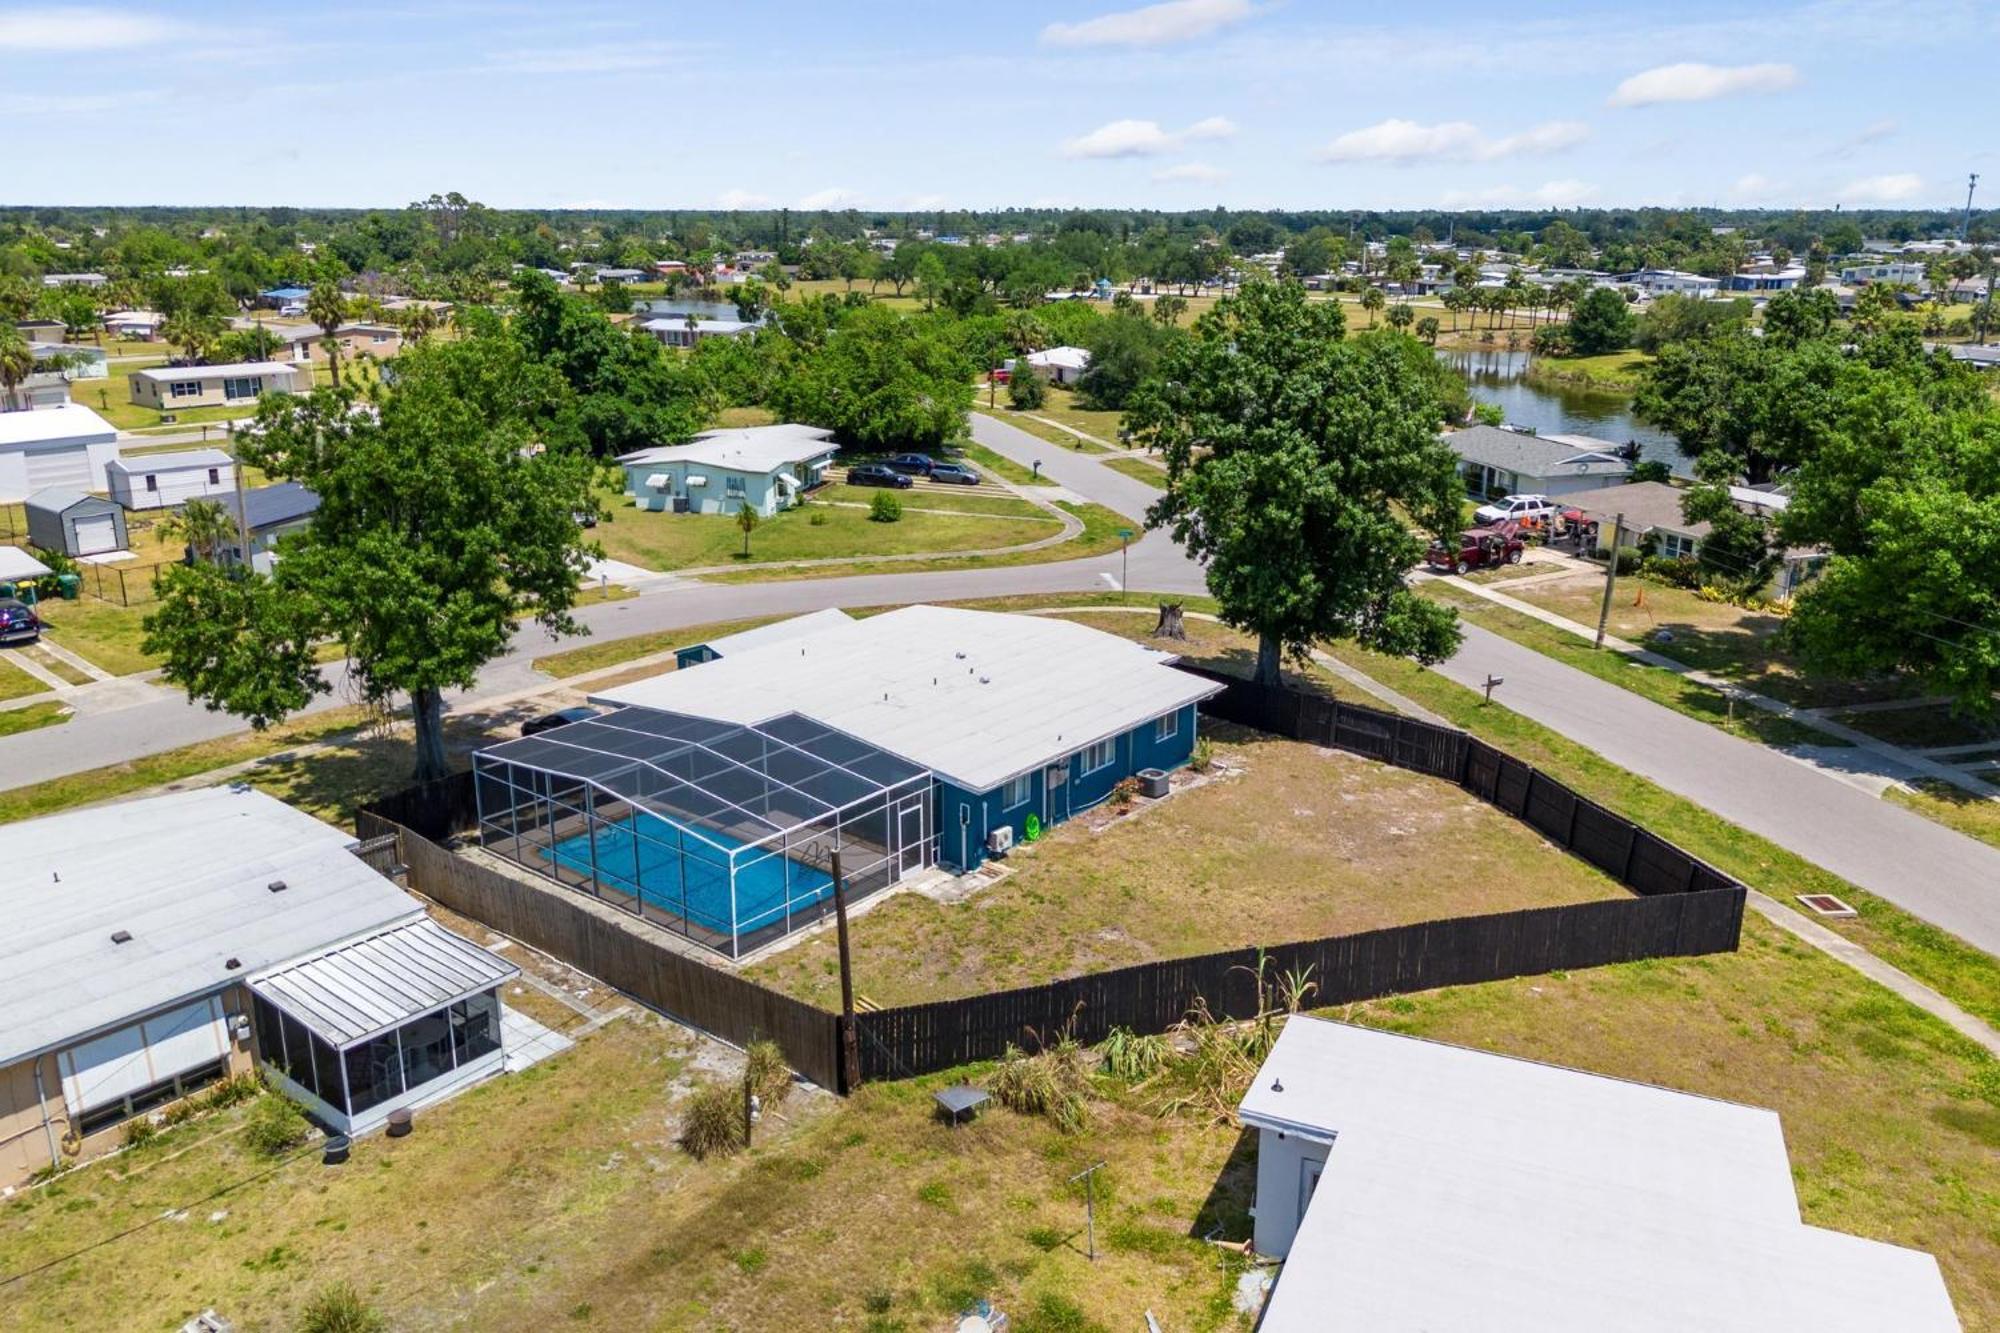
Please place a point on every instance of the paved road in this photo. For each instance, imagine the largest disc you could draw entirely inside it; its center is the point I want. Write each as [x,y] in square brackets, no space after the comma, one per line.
[1944,877]
[147,719]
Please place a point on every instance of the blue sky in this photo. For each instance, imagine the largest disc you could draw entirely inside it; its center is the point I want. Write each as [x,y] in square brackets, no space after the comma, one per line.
[1184,104]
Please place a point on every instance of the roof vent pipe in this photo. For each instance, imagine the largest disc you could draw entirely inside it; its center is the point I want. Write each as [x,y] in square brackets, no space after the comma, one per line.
[121,937]
[276,886]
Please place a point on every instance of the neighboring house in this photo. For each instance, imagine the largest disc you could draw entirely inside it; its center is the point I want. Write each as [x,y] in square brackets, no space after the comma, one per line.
[285,298]
[1412,1185]
[720,471]
[42,332]
[1652,513]
[65,444]
[1497,463]
[304,345]
[270,512]
[1670,282]
[74,280]
[1982,356]
[621,275]
[1862,274]
[174,388]
[167,481]
[158,946]
[134,325]
[1062,365]
[678,332]
[798,627]
[76,524]
[1782,280]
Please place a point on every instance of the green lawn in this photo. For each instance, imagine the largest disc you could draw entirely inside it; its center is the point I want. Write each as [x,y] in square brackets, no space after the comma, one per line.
[1613,372]
[926,495]
[102,633]
[16,683]
[14,721]
[1099,537]
[666,541]
[1061,407]
[598,654]
[1139,468]
[1002,466]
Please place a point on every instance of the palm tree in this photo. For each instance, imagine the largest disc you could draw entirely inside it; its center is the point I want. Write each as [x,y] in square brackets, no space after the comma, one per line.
[419,322]
[1025,333]
[204,525]
[191,331]
[1372,301]
[328,309]
[17,360]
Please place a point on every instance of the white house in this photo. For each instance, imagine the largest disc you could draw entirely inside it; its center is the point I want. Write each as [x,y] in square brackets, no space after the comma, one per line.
[156,946]
[719,471]
[138,325]
[1411,1185]
[166,481]
[65,445]
[1497,463]
[679,331]
[1062,365]
[237,383]
[1671,282]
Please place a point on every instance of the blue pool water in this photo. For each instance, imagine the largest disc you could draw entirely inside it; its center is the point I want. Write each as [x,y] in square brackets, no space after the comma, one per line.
[695,882]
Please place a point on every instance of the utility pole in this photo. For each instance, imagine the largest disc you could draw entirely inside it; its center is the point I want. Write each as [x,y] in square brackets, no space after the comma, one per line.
[1965,225]
[1610,578]
[850,1040]
[1089,1178]
[242,509]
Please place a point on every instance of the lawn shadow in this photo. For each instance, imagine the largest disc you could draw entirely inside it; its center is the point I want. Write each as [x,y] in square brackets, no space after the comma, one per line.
[1225,1213]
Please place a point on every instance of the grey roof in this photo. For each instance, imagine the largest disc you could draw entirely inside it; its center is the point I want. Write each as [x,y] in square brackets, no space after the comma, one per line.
[1645,504]
[188,876]
[1532,455]
[141,464]
[268,506]
[61,499]
[367,986]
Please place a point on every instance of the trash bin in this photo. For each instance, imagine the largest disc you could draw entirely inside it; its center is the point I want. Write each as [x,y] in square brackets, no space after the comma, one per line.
[70,585]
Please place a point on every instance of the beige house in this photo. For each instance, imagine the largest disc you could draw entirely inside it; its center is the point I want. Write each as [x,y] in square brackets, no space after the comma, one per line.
[159,946]
[239,383]
[307,346]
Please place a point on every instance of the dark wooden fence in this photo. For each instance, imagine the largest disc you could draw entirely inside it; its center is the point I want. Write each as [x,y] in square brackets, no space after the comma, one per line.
[1683,907]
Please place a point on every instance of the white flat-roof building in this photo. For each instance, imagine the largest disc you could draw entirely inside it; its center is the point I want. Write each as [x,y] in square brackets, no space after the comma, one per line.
[1412,1185]
[163,481]
[236,383]
[720,471]
[1063,365]
[155,946]
[66,445]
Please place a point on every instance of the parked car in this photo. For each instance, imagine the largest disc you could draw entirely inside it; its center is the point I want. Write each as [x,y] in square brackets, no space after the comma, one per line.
[562,717]
[1519,508]
[1477,548]
[955,474]
[878,474]
[18,622]
[916,464]
[1000,375]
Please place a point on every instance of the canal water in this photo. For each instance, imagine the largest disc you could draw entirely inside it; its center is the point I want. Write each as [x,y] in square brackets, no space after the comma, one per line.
[1499,376]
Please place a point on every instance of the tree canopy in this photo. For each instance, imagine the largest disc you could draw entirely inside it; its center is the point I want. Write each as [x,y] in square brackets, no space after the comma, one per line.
[1602,322]
[887,381]
[1292,454]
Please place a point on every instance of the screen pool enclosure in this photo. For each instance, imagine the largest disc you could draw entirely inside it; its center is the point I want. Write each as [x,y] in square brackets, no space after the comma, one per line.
[719,831]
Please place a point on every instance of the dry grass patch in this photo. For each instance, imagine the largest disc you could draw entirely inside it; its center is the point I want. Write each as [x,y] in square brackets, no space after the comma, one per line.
[1299,844]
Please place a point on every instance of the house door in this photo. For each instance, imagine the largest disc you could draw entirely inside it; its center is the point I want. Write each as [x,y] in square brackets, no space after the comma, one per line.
[1309,1171]
[909,838]
[1056,784]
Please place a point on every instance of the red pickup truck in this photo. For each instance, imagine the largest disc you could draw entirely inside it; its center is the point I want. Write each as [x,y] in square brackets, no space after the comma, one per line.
[1477,548]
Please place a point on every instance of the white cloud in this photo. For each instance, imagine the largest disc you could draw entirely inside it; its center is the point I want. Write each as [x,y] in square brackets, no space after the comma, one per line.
[1550,194]
[1405,141]
[743,199]
[77,28]
[924,202]
[1144,138]
[831,197]
[1894,188]
[1692,81]
[1750,187]
[1200,173]
[1153,25]
[603,58]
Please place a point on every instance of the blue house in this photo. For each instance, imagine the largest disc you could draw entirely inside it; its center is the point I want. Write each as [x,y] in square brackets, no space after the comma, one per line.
[1019,721]
[720,471]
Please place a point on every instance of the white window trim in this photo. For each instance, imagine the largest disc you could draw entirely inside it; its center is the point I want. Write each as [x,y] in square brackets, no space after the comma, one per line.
[1167,727]
[1083,765]
[1027,782]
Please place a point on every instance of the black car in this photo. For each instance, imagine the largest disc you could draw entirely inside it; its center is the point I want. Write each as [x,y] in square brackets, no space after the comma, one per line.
[18,622]
[562,717]
[956,474]
[878,474]
[916,464]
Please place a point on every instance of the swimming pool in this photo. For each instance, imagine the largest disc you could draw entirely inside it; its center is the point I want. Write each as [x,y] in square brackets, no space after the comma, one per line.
[694,882]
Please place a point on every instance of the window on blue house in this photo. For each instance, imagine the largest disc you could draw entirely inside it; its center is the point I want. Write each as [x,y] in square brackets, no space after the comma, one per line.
[732,485]
[1017,792]
[1166,728]
[1100,755]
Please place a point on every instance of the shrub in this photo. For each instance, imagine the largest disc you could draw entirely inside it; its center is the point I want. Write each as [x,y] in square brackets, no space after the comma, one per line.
[1130,1057]
[138,1132]
[339,1309]
[275,1126]
[1124,794]
[818,518]
[885,508]
[1674,571]
[1026,389]
[1202,757]
[234,1089]
[768,1074]
[1053,1083]
[1651,469]
[712,1122]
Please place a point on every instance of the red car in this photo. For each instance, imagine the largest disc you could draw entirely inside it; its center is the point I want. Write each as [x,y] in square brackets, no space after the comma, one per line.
[1478,548]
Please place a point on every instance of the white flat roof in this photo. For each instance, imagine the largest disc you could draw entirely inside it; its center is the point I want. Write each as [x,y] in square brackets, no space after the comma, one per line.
[167,374]
[16,563]
[367,986]
[782,631]
[69,423]
[977,697]
[1469,1190]
[1068,358]
[171,462]
[188,876]
[756,449]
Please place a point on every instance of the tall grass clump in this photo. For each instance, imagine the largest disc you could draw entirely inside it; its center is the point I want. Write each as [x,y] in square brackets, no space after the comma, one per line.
[1054,1082]
[767,1073]
[339,1309]
[712,1121]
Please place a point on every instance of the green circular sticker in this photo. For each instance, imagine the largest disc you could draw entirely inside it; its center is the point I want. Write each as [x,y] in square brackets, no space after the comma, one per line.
[1031,827]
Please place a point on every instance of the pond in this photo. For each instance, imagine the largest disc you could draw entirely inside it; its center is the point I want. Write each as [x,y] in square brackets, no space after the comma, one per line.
[1500,376]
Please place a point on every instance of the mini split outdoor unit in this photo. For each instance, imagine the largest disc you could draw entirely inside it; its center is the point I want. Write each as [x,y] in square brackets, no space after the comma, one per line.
[1000,840]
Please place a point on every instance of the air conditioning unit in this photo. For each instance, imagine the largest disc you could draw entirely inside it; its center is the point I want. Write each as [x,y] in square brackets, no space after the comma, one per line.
[1001,840]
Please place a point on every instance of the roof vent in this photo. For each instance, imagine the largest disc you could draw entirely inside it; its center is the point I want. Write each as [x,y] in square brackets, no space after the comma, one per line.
[986,680]
[959,656]
[121,937]
[276,886]
[230,965]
